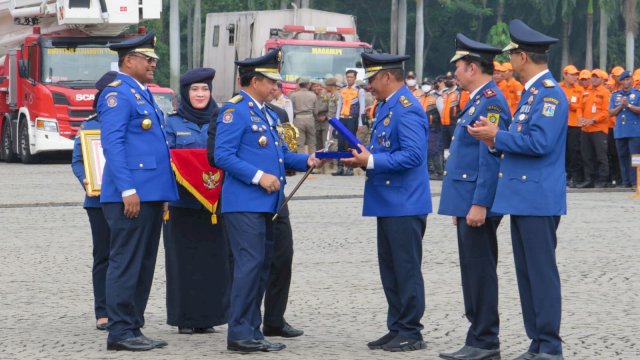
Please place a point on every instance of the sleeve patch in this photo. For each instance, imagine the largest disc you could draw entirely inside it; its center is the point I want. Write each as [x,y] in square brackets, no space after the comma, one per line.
[112,100]
[493,118]
[551,100]
[227,117]
[548,109]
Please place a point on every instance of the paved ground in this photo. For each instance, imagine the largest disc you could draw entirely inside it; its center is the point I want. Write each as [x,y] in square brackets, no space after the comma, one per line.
[336,297]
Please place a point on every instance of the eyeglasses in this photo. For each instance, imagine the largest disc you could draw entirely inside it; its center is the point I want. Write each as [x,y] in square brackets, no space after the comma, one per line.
[149,59]
[515,51]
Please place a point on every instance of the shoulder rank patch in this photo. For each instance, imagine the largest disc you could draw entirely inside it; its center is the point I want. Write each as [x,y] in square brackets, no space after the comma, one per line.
[228,110]
[493,118]
[404,101]
[236,99]
[548,83]
[172,113]
[91,117]
[115,83]
[489,93]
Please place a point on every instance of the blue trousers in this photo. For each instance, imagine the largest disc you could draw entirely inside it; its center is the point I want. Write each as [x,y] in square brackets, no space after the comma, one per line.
[627,147]
[132,260]
[534,250]
[251,239]
[400,260]
[100,234]
[478,250]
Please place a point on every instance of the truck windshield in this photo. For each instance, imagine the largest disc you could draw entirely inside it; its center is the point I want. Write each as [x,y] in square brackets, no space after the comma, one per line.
[317,62]
[79,64]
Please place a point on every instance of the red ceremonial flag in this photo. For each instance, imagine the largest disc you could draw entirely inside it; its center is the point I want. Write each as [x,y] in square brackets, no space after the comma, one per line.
[193,171]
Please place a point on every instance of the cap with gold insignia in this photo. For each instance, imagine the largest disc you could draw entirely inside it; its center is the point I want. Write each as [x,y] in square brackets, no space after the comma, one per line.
[527,39]
[141,44]
[466,47]
[266,65]
[374,62]
[411,75]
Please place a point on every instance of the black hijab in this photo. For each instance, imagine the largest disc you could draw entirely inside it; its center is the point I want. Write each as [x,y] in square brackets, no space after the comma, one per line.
[188,112]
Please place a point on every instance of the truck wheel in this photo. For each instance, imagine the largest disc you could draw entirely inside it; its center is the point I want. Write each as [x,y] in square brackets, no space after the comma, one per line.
[25,151]
[6,153]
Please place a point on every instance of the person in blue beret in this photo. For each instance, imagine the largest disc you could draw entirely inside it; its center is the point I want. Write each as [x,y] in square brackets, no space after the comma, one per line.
[196,251]
[99,228]
[137,183]
[397,193]
[468,190]
[532,185]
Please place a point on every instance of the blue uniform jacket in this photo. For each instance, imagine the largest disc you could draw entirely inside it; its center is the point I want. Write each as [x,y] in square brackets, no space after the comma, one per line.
[398,185]
[627,122]
[240,126]
[184,134]
[532,179]
[77,162]
[471,174]
[136,158]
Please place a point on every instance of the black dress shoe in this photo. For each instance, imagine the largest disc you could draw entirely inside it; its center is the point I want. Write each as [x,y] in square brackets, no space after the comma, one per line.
[401,343]
[472,353]
[101,326]
[207,330]
[155,343]
[286,331]
[131,344]
[185,330]
[246,346]
[526,356]
[377,344]
[585,185]
[273,346]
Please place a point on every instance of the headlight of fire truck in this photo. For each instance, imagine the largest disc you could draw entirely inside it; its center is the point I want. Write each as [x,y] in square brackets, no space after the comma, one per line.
[50,125]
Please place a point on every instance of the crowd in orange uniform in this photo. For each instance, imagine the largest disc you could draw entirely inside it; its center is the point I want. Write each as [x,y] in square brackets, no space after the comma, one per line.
[591,156]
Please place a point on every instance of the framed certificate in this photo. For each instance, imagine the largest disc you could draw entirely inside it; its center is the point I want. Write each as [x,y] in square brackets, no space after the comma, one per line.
[93,159]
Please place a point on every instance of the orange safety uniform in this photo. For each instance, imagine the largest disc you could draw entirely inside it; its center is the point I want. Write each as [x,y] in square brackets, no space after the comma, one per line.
[455,101]
[575,98]
[596,106]
[513,94]
[428,103]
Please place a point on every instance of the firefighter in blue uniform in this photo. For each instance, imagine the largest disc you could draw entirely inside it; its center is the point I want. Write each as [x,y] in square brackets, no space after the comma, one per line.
[532,186]
[468,189]
[250,148]
[397,193]
[99,227]
[625,106]
[137,182]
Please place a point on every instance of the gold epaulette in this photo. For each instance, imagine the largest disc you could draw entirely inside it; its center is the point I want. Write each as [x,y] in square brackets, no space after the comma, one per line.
[115,83]
[236,99]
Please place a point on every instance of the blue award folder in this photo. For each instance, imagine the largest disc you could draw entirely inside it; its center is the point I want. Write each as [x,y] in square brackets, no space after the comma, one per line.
[347,135]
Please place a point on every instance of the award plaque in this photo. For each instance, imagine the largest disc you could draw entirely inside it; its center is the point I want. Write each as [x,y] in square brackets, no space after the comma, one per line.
[93,158]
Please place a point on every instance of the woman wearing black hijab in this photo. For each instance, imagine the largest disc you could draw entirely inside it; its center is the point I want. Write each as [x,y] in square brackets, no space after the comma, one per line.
[196,251]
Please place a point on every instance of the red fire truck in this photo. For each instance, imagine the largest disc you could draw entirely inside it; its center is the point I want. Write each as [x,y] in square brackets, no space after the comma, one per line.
[318,44]
[54,51]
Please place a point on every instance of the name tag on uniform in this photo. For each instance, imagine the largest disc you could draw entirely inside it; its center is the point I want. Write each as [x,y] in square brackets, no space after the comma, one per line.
[574,99]
[183,133]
